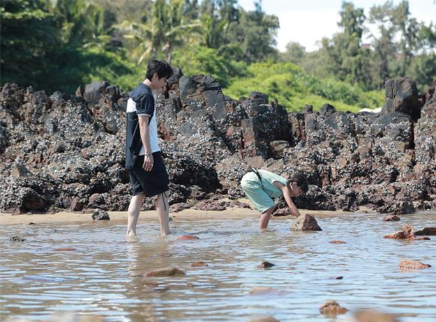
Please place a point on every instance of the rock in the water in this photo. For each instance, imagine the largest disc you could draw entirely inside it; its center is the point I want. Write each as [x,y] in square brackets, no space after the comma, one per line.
[412,264]
[306,223]
[266,264]
[199,264]
[265,319]
[406,233]
[166,271]
[17,239]
[100,215]
[427,231]
[391,218]
[332,308]
[262,290]
[373,316]
[188,237]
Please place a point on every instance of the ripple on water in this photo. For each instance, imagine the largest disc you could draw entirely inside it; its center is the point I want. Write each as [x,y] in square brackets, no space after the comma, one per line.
[104,274]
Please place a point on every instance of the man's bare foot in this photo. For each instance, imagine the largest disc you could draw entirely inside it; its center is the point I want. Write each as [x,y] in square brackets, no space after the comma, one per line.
[162,234]
[131,233]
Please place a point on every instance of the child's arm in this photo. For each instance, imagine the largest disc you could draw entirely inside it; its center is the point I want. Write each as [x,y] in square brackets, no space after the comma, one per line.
[287,194]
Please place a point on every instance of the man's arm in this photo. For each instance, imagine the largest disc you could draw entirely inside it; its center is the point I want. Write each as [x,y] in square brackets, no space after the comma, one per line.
[145,138]
[288,199]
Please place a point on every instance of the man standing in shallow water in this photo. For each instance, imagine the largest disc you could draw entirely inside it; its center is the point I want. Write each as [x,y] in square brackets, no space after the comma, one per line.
[148,174]
[260,186]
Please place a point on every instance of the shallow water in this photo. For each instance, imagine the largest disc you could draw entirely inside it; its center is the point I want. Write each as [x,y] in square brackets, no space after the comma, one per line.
[104,275]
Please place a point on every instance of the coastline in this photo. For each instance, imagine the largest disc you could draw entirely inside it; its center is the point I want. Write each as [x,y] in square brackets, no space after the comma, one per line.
[186,214]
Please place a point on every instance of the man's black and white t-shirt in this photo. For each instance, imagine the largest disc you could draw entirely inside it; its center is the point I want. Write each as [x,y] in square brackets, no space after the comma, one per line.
[141,103]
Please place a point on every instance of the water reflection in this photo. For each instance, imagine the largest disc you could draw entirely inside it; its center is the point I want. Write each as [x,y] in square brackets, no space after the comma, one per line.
[104,274]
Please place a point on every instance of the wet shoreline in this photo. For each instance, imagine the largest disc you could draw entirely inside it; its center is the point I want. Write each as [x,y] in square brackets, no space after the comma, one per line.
[187,214]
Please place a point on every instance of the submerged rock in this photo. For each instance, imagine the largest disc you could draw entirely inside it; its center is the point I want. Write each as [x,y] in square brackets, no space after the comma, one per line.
[187,237]
[391,218]
[266,264]
[65,317]
[166,271]
[332,308]
[412,264]
[373,316]
[264,319]
[306,223]
[262,290]
[199,264]
[406,233]
[17,239]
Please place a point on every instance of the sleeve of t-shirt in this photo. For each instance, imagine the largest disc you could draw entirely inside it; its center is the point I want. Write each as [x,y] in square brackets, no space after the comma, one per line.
[145,106]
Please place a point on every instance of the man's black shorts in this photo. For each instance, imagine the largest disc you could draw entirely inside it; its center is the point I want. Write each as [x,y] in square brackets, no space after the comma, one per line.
[151,182]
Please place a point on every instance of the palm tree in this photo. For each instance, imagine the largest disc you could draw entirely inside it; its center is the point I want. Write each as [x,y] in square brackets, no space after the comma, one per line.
[165,29]
[82,21]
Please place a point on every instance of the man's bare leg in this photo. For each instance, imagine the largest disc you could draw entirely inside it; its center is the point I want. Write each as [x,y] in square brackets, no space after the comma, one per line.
[264,219]
[163,210]
[133,214]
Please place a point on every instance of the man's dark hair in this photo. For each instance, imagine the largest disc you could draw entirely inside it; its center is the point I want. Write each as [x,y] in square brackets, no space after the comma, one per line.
[301,181]
[161,67]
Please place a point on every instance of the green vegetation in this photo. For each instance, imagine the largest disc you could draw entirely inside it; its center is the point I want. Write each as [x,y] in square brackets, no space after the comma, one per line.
[61,44]
[294,88]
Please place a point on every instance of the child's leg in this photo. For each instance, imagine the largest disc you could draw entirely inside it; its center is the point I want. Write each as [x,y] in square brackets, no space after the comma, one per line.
[263,203]
[133,213]
[163,210]
[264,219]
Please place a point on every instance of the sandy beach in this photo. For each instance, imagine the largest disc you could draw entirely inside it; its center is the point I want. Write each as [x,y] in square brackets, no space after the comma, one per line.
[187,214]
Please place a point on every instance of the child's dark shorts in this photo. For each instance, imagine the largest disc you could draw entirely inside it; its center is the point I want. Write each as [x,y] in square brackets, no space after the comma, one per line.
[151,183]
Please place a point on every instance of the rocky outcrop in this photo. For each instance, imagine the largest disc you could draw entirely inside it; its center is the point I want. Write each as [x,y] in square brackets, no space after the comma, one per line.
[66,152]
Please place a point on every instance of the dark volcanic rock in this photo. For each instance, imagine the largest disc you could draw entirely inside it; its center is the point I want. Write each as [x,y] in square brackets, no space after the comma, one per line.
[100,215]
[427,231]
[67,152]
[402,96]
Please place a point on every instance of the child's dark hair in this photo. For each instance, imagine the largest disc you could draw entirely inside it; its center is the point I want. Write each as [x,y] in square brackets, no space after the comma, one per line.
[161,67]
[301,181]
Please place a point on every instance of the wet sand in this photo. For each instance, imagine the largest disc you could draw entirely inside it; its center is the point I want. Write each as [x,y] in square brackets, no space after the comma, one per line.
[187,214]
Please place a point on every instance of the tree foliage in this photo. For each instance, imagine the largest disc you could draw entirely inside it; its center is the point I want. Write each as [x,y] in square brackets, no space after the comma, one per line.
[28,35]
[293,88]
[60,44]
[399,45]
